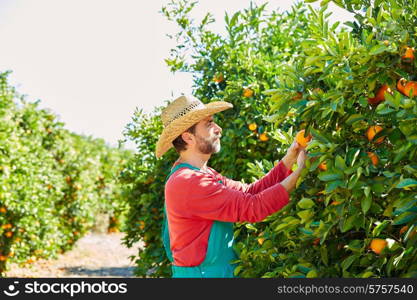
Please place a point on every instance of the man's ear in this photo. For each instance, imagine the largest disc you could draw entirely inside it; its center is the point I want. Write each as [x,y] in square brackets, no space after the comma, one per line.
[188,137]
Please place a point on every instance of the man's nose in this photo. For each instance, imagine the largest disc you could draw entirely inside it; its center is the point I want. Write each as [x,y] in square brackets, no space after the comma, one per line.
[217,129]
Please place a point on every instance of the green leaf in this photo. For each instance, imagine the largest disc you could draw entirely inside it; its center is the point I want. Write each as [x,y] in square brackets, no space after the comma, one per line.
[348,223]
[340,163]
[366,204]
[316,134]
[306,203]
[324,255]
[379,228]
[367,274]
[405,218]
[407,183]
[330,176]
[305,215]
[305,231]
[312,274]
[378,49]
[354,118]
[346,263]
[334,185]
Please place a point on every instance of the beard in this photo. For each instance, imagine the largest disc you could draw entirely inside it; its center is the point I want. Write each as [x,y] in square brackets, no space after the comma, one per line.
[208,145]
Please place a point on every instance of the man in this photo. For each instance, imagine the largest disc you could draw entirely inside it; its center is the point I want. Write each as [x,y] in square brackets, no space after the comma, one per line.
[201,204]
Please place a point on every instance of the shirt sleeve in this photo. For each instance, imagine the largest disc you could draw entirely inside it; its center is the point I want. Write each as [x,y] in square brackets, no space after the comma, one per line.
[274,176]
[193,194]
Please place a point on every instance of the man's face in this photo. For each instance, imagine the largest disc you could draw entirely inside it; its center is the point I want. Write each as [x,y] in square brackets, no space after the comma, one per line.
[208,135]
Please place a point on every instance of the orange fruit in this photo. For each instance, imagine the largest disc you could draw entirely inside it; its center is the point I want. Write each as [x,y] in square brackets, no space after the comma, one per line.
[261,241]
[377,245]
[405,87]
[9,234]
[372,131]
[408,54]
[297,96]
[247,93]
[302,139]
[3,258]
[252,126]
[380,95]
[323,166]
[263,137]
[3,210]
[373,157]
[386,42]
[403,229]
[141,225]
[218,78]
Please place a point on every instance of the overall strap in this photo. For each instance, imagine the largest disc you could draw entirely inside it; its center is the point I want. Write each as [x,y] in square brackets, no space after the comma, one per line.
[165,230]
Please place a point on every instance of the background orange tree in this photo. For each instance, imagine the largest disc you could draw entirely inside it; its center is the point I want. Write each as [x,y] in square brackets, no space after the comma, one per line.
[53,183]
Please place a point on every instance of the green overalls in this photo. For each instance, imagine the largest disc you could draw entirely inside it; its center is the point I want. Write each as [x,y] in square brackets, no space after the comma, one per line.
[219,250]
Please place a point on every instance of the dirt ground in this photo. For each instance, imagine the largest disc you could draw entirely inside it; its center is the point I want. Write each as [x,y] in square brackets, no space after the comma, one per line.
[94,255]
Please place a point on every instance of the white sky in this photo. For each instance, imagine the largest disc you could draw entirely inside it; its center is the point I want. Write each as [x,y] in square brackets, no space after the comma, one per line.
[92,62]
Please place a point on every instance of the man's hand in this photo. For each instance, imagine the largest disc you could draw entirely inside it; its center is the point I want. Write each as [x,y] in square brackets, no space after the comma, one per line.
[290,182]
[292,154]
[301,159]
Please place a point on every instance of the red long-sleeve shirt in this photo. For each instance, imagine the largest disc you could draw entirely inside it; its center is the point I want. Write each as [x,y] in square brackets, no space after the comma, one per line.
[195,199]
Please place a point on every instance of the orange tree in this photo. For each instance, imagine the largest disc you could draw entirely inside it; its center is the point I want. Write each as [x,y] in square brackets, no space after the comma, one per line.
[357,216]
[52,182]
[237,68]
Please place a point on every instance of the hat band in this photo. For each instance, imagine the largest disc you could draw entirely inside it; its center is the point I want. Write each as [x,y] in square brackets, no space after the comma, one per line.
[192,106]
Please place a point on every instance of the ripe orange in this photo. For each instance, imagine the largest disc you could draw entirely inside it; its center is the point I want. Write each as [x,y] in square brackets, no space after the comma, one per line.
[405,87]
[297,96]
[377,245]
[3,210]
[247,93]
[30,261]
[218,78]
[302,139]
[403,229]
[263,137]
[408,54]
[7,226]
[373,157]
[252,126]
[372,131]
[3,258]
[9,234]
[323,166]
[380,95]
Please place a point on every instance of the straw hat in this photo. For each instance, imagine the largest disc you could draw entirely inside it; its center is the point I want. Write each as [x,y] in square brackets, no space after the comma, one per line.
[180,115]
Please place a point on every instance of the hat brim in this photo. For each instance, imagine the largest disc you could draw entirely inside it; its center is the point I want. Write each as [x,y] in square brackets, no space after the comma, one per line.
[178,126]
